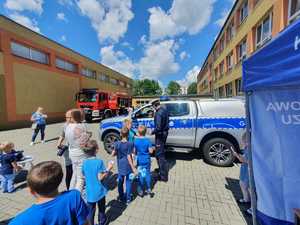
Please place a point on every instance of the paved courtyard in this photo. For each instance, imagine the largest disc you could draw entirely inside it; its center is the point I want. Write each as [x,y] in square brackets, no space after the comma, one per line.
[196,193]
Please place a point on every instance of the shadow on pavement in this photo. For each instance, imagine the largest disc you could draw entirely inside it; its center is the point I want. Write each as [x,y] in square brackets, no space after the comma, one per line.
[115,209]
[5,222]
[234,186]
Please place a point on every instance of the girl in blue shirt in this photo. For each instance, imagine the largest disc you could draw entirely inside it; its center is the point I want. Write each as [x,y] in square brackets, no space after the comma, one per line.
[124,150]
[94,172]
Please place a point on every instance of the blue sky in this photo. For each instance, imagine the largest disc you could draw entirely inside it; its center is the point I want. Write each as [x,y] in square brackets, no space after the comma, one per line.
[158,39]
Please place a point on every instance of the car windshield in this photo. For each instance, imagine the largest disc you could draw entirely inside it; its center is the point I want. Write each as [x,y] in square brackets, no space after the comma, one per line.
[87,97]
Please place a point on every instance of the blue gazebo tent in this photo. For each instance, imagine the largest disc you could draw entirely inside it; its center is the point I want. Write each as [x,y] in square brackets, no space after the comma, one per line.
[271,80]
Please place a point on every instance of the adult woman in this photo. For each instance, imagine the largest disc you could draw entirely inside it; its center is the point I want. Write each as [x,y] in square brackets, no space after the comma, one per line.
[77,136]
[39,124]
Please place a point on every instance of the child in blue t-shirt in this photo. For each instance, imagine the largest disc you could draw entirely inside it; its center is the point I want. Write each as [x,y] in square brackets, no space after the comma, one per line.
[94,171]
[124,150]
[8,165]
[51,207]
[143,149]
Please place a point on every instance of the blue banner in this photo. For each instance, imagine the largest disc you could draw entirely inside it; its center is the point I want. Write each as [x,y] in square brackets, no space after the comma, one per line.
[275,140]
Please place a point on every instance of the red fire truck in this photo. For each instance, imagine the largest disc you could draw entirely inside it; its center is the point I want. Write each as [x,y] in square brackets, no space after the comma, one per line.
[100,104]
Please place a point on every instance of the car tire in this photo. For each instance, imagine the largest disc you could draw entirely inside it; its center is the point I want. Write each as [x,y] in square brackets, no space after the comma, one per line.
[109,140]
[217,152]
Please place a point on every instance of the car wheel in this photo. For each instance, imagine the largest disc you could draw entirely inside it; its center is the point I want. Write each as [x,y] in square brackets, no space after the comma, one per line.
[109,141]
[217,151]
[107,115]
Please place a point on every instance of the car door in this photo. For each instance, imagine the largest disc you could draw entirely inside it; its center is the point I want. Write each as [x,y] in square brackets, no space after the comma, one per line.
[144,116]
[182,117]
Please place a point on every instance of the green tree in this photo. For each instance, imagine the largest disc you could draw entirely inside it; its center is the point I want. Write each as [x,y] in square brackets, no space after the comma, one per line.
[173,88]
[192,89]
[146,87]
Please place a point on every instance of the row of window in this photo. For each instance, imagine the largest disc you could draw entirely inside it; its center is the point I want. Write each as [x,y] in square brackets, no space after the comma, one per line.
[263,35]
[42,57]
[227,89]
[264,29]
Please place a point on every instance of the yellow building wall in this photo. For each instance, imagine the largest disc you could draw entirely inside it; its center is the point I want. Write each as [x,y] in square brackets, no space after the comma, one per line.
[36,87]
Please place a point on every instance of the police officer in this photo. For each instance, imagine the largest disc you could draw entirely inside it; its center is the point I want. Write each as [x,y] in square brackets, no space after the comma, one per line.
[161,128]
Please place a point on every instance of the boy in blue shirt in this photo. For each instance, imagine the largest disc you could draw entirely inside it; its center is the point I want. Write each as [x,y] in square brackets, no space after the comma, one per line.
[52,207]
[8,165]
[143,149]
[94,171]
[124,150]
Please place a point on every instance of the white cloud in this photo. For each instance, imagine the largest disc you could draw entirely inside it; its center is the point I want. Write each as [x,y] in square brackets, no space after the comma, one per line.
[117,60]
[61,16]
[184,55]
[158,60]
[63,38]
[66,2]
[220,22]
[25,21]
[108,17]
[143,40]
[22,5]
[127,45]
[184,16]
[190,77]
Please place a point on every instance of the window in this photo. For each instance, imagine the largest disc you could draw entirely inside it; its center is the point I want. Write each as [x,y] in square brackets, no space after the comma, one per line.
[228,88]
[221,91]
[221,68]
[243,11]
[103,77]
[178,109]
[215,53]
[29,53]
[294,10]
[264,31]
[147,112]
[128,86]
[221,44]
[216,74]
[64,65]
[238,86]
[122,83]
[242,50]
[113,81]
[230,31]
[88,73]
[229,61]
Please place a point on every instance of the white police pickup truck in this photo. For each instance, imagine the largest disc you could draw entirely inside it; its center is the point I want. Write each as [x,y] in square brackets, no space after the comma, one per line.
[209,126]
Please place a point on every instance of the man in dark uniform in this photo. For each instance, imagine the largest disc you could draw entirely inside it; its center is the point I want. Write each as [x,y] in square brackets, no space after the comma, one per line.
[161,128]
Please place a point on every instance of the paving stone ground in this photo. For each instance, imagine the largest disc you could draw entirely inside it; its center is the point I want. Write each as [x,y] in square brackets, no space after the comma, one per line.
[196,193]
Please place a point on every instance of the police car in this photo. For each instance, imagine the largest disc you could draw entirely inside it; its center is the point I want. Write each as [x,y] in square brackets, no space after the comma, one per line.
[209,126]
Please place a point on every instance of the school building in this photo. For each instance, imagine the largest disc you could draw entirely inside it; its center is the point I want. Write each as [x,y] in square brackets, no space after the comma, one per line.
[36,71]
[249,26]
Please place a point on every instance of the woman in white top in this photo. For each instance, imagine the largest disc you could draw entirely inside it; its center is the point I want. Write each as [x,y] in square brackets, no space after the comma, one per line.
[77,136]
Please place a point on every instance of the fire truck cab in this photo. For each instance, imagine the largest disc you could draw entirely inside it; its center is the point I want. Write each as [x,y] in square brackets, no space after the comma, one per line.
[100,105]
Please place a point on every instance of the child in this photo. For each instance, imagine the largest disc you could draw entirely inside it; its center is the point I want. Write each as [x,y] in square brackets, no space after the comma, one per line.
[124,150]
[94,171]
[244,175]
[143,149]
[51,207]
[8,165]
[128,125]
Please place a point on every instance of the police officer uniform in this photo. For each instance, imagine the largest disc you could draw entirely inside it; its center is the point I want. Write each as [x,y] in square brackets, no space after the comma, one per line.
[161,128]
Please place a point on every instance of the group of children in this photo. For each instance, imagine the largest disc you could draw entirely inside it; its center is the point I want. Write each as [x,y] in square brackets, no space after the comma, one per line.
[133,160]
[52,207]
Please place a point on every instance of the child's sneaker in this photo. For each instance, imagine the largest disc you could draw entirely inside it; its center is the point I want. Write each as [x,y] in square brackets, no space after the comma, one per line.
[140,193]
[31,143]
[128,202]
[43,142]
[150,194]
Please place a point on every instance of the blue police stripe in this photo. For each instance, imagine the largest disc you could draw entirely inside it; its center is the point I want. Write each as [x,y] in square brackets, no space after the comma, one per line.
[204,123]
